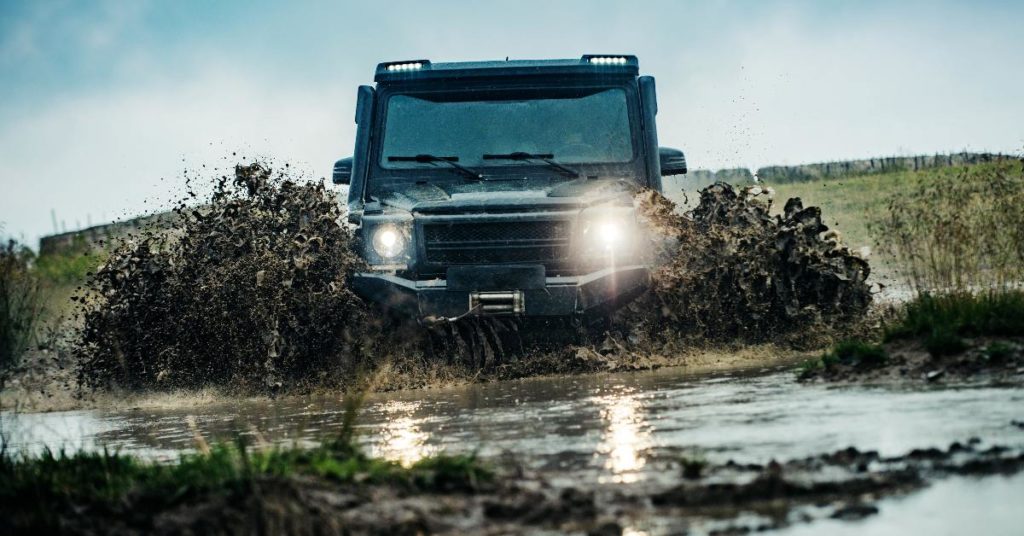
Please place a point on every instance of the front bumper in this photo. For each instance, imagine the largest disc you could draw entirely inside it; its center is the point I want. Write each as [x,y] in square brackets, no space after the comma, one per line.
[600,291]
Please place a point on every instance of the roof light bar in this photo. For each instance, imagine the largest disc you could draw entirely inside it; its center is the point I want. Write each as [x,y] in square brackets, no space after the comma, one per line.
[607,60]
[405,66]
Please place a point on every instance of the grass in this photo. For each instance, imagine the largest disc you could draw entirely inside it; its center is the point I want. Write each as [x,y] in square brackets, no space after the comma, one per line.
[35,488]
[955,236]
[998,351]
[893,212]
[848,204]
[944,320]
[38,487]
[68,268]
[850,353]
[20,304]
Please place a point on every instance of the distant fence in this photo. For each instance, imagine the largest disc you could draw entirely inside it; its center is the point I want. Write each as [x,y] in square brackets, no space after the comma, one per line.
[835,170]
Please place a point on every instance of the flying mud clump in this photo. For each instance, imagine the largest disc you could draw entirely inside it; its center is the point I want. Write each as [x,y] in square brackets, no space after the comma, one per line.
[730,270]
[248,290]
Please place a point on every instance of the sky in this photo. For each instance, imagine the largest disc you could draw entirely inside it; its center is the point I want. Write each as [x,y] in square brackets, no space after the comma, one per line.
[104,105]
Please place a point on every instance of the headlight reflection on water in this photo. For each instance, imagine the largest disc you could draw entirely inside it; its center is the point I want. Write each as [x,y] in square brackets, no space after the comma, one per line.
[401,438]
[626,436]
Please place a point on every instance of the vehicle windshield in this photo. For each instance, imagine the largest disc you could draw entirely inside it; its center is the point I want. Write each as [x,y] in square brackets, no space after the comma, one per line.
[580,126]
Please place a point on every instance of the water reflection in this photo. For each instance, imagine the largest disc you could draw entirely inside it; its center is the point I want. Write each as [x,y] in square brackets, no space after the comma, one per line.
[625,438]
[401,438]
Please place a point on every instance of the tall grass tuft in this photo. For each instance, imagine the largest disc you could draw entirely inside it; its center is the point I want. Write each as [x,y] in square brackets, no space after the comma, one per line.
[959,241]
[20,303]
[960,232]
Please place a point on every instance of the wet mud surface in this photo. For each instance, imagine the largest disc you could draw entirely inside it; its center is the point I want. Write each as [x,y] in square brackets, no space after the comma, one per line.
[840,485]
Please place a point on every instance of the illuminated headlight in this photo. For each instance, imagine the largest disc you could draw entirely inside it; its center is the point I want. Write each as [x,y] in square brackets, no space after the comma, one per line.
[388,241]
[609,234]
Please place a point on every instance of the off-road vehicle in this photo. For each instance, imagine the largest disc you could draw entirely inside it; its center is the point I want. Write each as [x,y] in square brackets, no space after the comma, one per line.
[503,187]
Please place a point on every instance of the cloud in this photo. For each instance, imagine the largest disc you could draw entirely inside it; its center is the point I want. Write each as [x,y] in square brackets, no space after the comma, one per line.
[104,154]
[101,101]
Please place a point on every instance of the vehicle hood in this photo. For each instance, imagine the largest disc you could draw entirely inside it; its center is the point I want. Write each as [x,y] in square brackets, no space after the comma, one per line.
[580,193]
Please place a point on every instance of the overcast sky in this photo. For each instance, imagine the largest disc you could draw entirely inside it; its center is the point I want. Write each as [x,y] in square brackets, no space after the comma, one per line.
[99,101]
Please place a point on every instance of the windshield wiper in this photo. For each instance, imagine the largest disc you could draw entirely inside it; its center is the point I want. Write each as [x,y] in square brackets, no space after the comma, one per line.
[434,159]
[540,157]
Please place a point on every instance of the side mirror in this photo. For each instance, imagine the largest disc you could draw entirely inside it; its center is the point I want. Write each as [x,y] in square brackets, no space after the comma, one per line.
[673,162]
[342,171]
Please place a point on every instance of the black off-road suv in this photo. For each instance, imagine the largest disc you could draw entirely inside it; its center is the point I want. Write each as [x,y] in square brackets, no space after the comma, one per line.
[503,187]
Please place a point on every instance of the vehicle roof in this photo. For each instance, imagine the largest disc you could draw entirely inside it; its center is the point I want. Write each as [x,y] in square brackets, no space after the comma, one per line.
[625,65]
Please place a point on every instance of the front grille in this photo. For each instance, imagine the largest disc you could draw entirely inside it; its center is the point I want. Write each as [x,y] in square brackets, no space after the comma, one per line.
[512,242]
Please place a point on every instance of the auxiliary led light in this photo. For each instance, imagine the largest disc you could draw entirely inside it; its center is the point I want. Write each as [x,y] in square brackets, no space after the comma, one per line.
[405,66]
[608,60]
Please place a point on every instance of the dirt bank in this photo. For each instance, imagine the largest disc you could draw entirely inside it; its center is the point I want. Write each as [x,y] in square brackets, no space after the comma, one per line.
[980,360]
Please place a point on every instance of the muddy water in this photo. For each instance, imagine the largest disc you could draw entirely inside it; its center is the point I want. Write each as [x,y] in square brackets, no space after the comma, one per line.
[954,506]
[607,429]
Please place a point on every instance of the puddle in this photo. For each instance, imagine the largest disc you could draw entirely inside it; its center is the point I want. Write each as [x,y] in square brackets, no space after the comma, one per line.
[609,428]
[954,506]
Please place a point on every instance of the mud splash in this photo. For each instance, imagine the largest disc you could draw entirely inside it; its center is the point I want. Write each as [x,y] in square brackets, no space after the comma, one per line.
[730,271]
[249,289]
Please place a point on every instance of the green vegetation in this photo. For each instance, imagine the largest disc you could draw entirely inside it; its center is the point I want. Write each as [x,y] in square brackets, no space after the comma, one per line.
[955,236]
[960,232]
[998,351]
[853,353]
[943,320]
[35,290]
[68,268]
[848,204]
[35,490]
[37,487]
[20,304]
[892,212]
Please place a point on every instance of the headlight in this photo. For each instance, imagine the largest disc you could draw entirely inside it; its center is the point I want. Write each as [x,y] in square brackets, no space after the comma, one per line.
[388,241]
[609,233]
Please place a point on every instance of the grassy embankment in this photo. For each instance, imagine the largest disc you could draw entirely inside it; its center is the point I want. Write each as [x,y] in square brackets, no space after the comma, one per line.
[955,237]
[853,204]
